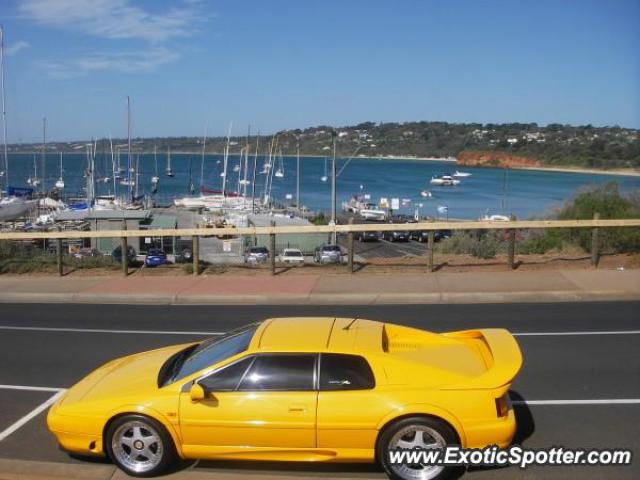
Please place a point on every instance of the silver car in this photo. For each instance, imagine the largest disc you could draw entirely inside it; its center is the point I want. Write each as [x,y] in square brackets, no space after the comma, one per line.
[328,254]
[256,255]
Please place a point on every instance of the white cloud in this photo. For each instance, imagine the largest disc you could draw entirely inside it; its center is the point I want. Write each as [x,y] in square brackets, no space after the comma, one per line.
[16,47]
[127,62]
[116,19]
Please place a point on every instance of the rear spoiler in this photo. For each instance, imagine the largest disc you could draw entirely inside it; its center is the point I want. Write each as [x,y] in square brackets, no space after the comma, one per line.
[505,358]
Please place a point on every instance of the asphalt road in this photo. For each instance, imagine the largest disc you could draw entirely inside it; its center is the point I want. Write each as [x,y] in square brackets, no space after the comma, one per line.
[48,346]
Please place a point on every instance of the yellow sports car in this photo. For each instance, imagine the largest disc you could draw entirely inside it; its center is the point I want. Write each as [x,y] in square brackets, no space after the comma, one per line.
[297,389]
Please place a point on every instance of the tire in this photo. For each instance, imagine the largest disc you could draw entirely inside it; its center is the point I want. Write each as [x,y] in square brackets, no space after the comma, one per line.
[404,434]
[155,445]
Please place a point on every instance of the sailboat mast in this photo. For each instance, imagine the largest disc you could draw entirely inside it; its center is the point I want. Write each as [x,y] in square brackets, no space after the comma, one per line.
[129,147]
[4,114]
[44,153]
[204,147]
[113,167]
[226,159]
[253,183]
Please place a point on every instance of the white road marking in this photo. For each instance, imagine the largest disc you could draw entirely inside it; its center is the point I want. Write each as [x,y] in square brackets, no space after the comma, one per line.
[600,332]
[36,411]
[176,332]
[32,389]
[607,401]
[104,330]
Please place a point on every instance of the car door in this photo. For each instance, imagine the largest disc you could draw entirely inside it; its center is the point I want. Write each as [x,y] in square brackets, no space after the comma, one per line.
[264,400]
[349,405]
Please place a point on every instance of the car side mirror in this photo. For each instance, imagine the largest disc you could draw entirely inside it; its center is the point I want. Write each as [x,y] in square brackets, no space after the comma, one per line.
[197,392]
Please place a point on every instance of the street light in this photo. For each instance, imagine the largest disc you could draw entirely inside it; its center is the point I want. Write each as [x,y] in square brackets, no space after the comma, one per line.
[334,135]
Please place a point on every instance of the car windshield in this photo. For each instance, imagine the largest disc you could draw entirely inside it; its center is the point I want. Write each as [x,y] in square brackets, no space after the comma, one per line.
[156,252]
[331,248]
[292,253]
[258,250]
[211,351]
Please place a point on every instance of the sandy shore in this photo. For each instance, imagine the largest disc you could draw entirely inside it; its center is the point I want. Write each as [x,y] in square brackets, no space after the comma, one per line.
[620,172]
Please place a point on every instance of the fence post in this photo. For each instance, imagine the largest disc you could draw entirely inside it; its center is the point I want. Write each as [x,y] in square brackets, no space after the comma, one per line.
[272,249]
[195,254]
[511,246]
[595,254]
[350,252]
[125,251]
[430,245]
[59,256]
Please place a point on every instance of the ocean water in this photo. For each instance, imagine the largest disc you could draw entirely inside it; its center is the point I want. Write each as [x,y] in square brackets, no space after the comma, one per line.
[523,193]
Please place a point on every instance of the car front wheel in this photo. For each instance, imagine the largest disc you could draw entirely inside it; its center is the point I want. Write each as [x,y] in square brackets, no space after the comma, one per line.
[415,433]
[140,446]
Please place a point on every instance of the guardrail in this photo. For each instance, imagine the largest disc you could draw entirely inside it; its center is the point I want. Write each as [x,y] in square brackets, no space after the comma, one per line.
[431,226]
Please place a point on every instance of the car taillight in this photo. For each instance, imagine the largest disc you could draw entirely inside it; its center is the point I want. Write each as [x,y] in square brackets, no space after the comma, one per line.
[502,406]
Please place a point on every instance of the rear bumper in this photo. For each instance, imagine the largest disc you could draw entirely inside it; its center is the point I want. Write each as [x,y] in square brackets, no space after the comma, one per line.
[498,432]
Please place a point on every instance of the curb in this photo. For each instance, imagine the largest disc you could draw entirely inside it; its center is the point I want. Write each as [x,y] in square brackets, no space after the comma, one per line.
[327,298]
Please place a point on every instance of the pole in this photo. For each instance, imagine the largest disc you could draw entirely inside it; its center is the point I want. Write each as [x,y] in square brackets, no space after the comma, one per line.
[595,254]
[430,245]
[272,249]
[4,114]
[59,256]
[298,173]
[350,247]
[253,180]
[333,186]
[195,254]
[44,154]
[511,246]
[125,251]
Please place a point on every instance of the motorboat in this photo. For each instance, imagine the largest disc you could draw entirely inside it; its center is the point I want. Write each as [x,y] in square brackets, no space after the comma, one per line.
[426,194]
[445,181]
[458,174]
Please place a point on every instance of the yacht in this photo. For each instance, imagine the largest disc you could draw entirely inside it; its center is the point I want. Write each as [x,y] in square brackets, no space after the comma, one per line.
[445,181]
[458,174]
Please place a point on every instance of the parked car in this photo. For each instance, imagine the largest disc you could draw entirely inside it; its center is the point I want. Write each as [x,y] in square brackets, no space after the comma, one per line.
[256,255]
[396,236]
[423,235]
[117,254]
[367,236]
[292,255]
[402,218]
[375,387]
[327,254]
[86,253]
[155,257]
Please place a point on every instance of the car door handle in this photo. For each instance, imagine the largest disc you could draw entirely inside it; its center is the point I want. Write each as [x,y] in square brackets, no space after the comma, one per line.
[297,408]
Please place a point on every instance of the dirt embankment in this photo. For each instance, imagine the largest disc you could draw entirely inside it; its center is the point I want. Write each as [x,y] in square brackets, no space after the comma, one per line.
[495,159]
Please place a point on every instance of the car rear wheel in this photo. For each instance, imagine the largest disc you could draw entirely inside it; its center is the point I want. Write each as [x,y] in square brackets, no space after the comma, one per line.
[140,446]
[415,433]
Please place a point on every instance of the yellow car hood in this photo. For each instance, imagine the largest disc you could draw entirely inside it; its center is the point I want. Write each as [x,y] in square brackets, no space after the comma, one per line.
[133,375]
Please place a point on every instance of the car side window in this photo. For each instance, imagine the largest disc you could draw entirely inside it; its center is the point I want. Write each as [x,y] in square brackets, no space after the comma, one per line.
[228,378]
[345,372]
[280,372]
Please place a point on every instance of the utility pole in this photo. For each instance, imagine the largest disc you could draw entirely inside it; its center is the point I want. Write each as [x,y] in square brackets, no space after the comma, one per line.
[298,172]
[334,135]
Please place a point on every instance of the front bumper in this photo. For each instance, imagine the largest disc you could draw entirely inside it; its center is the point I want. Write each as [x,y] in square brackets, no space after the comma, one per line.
[79,435]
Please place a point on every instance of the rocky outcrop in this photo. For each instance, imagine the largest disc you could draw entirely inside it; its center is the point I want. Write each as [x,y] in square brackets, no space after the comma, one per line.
[495,159]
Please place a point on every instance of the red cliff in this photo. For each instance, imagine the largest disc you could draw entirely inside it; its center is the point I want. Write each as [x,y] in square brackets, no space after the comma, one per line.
[495,159]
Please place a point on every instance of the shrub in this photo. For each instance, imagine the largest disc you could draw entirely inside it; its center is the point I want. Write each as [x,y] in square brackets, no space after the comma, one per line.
[479,244]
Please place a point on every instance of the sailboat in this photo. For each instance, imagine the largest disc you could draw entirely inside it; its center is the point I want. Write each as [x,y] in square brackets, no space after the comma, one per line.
[192,187]
[324,177]
[168,171]
[34,181]
[60,183]
[280,171]
[155,179]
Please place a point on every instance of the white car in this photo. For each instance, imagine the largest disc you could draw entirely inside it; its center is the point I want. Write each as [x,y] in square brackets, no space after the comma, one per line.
[292,255]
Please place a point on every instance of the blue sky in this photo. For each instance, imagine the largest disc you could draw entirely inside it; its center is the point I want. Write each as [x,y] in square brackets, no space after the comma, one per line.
[289,63]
